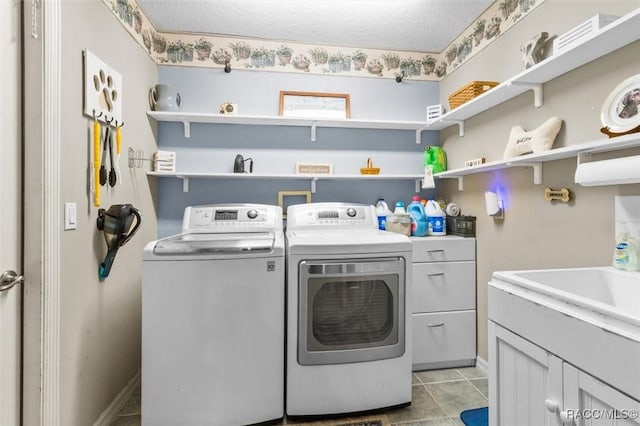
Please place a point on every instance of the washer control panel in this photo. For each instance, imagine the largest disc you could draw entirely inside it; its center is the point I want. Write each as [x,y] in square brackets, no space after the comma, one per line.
[232,218]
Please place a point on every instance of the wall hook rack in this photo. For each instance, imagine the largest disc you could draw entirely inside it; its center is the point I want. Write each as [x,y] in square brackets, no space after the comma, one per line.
[103,93]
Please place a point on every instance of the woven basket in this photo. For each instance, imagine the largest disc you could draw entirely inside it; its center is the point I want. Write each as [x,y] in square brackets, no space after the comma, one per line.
[469,91]
[369,170]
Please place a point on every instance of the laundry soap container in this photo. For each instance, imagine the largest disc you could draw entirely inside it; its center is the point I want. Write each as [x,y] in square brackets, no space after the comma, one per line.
[418,218]
[436,219]
[399,221]
[382,211]
[435,158]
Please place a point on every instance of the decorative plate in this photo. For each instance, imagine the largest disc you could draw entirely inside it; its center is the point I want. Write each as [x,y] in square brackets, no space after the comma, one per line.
[621,110]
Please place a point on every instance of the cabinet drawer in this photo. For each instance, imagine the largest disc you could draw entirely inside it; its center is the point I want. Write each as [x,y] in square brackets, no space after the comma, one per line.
[443,286]
[443,249]
[444,338]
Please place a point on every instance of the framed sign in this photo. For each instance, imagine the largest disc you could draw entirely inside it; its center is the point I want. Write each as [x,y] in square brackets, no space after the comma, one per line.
[314,104]
[313,169]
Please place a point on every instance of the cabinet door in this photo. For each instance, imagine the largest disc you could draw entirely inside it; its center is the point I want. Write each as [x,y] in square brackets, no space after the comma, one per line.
[525,381]
[444,339]
[443,286]
[590,402]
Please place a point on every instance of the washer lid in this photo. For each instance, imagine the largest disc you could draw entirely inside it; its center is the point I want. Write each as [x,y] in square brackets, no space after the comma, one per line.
[219,243]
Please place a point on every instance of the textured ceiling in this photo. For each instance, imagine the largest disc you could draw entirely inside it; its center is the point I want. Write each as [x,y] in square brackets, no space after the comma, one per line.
[411,25]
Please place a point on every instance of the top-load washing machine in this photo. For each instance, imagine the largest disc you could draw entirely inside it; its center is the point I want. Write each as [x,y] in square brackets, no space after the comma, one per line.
[348,319]
[213,319]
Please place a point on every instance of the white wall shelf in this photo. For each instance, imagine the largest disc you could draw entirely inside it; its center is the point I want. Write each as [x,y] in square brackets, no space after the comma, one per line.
[313,179]
[618,34]
[186,118]
[581,151]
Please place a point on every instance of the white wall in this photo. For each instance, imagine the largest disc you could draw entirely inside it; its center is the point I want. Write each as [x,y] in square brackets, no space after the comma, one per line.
[100,321]
[536,233]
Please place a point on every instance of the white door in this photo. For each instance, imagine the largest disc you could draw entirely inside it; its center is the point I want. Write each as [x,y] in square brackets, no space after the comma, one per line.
[589,402]
[525,381]
[10,213]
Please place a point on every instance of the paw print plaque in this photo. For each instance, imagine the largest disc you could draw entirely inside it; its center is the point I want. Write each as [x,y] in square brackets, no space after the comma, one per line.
[102,90]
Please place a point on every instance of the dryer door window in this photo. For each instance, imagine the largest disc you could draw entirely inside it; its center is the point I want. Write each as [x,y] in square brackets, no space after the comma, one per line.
[351,311]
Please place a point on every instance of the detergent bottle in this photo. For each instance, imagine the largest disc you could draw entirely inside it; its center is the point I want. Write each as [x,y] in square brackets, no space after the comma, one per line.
[436,219]
[436,158]
[382,211]
[418,217]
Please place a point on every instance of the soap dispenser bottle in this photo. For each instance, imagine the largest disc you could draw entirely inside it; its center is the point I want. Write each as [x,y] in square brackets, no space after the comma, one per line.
[621,251]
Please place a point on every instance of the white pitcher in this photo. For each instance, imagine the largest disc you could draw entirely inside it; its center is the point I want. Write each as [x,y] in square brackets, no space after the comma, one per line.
[162,97]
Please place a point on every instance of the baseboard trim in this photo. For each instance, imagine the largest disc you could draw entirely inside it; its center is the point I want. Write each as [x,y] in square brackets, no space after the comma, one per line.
[482,365]
[109,415]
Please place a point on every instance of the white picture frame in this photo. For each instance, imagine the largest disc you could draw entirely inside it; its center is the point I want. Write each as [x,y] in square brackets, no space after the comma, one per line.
[314,104]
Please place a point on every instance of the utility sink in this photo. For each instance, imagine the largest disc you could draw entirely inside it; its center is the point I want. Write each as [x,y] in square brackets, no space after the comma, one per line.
[589,317]
[604,290]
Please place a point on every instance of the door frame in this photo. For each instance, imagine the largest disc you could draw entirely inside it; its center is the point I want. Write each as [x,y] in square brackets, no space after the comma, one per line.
[42,206]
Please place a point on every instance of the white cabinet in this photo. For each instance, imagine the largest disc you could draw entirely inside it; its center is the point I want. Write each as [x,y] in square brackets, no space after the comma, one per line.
[530,386]
[522,376]
[443,302]
[588,401]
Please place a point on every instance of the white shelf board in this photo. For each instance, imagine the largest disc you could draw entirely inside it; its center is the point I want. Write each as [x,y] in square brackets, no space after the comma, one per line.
[312,178]
[192,117]
[535,160]
[618,34]
[493,97]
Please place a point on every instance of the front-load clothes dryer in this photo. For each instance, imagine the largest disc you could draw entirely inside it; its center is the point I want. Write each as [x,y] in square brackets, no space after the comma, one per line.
[348,319]
[213,319]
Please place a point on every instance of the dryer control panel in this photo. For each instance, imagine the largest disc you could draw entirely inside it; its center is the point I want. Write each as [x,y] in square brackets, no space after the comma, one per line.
[232,218]
[324,215]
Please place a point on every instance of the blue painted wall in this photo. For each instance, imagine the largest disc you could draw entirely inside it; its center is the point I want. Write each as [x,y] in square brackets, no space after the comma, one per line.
[276,149]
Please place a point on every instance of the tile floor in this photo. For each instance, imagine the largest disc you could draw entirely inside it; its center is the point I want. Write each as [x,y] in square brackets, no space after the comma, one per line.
[438,398]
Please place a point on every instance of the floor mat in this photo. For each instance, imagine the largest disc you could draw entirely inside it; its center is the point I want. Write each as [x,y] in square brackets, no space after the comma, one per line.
[365,423]
[475,417]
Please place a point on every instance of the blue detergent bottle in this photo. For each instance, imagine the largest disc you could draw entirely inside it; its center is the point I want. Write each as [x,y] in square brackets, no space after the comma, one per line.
[419,224]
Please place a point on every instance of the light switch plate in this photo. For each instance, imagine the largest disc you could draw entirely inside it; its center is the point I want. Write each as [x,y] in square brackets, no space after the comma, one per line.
[70,216]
